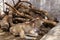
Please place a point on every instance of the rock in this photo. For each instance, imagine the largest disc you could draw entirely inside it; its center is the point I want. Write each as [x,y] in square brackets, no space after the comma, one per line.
[53,34]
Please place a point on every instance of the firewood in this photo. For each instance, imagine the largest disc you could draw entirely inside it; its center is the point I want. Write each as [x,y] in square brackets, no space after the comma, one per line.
[50,21]
[22,19]
[34,10]
[21,14]
[10,18]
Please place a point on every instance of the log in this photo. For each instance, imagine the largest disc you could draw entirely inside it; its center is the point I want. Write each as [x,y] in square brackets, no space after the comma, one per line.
[22,19]
[50,21]
[10,18]
[4,23]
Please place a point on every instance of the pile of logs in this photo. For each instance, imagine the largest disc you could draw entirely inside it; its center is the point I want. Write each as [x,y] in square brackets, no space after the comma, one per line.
[26,20]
